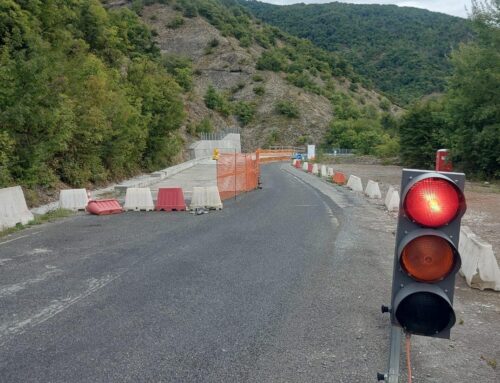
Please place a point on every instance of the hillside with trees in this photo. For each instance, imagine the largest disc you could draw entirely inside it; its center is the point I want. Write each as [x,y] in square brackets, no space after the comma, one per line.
[281,89]
[92,92]
[401,51]
[467,117]
[84,97]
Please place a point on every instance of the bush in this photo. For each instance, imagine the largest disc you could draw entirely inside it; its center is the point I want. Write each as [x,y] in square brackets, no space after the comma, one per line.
[257,78]
[204,126]
[244,111]
[272,60]
[385,105]
[176,22]
[287,108]
[216,101]
[259,90]
[302,80]
[214,43]
[181,69]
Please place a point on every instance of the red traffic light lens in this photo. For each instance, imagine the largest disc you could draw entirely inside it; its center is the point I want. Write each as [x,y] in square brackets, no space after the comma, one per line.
[428,258]
[433,202]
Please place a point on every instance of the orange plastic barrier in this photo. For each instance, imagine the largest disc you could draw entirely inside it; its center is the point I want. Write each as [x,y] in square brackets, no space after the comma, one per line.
[237,173]
[104,207]
[275,155]
[170,199]
[339,178]
[298,164]
[309,167]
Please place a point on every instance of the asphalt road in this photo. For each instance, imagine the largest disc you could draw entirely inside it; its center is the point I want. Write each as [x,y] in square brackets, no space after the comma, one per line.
[283,285]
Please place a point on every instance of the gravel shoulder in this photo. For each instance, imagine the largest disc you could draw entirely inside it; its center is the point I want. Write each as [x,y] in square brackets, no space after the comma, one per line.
[483,201]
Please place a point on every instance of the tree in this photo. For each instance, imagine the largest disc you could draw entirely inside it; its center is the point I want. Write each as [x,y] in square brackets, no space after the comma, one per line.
[422,131]
[474,94]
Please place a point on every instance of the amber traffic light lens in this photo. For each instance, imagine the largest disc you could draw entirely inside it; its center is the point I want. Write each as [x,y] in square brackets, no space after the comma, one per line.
[433,202]
[428,258]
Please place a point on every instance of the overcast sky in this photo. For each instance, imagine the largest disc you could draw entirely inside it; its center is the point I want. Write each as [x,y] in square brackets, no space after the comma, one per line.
[452,7]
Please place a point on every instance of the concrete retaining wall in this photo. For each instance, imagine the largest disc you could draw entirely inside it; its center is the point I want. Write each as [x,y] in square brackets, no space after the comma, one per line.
[150,179]
[205,148]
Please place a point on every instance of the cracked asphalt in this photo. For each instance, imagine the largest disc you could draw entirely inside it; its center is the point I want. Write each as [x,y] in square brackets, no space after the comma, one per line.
[283,285]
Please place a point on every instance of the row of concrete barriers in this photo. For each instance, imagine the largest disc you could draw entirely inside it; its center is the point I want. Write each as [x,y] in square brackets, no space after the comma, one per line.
[354,183]
[14,210]
[479,264]
[141,199]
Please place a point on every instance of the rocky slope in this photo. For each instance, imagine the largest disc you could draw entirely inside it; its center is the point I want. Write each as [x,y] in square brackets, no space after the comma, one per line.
[231,69]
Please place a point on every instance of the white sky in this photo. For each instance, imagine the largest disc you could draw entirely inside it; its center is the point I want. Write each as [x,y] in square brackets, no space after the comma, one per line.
[451,7]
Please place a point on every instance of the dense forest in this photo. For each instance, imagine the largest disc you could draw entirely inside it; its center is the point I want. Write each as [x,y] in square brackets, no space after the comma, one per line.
[467,117]
[84,96]
[403,52]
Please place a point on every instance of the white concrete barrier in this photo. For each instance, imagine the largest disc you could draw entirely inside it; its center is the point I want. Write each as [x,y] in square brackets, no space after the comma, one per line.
[373,190]
[354,183]
[388,195]
[315,169]
[330,172]
[206,197]
[392,200]
[304,166]
[73,199]
[138,199]
[479,265]
[323,171]
[13,208]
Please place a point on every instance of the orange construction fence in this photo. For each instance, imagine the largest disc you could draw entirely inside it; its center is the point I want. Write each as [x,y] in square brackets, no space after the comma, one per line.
[269,155]
[237,173]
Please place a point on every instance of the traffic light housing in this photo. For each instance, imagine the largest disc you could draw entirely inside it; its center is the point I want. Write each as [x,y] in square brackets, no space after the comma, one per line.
[426,253]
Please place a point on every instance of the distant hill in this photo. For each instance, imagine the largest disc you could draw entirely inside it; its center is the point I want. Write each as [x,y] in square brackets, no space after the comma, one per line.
[402,51]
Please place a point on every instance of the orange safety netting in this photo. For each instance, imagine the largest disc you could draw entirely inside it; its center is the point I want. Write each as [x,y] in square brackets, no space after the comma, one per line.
[275,155]
[237,173]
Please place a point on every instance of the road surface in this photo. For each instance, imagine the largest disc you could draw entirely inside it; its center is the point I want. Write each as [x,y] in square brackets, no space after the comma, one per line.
[283,285]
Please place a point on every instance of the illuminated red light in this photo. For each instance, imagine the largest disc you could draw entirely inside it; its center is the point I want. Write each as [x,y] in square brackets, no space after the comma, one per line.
[433,202]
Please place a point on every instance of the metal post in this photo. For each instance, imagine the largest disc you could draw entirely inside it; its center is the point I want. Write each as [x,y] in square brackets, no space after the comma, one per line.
[395,354]
[235,164]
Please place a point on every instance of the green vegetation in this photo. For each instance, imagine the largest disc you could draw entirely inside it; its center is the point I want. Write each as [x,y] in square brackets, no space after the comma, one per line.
[259,90]
[257,78]
[217,101]
[364,130]
[51,216]
[401,51]
[287,108]
[467,118]
[244,111]
[176,22]
[181,69]
[204,126]
[84,96]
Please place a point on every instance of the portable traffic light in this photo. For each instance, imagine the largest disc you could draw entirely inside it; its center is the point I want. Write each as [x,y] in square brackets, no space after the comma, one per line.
[426,255]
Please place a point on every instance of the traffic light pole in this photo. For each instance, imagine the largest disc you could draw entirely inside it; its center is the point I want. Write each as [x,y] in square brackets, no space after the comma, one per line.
[395,354]
[392,376]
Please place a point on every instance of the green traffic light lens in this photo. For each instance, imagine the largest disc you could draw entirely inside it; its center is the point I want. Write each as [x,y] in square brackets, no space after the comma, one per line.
[425,313]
